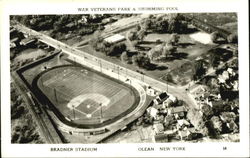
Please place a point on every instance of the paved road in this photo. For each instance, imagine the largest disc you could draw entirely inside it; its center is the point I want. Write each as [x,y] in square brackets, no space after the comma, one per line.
[177,91]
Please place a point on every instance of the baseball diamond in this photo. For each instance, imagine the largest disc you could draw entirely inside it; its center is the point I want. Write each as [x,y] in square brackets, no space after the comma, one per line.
[83,96]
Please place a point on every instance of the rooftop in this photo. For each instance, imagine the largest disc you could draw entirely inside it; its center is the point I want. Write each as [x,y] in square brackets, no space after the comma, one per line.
[178,109]
[115,38]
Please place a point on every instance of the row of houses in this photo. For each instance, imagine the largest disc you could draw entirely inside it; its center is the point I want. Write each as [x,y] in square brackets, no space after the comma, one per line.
[165,111]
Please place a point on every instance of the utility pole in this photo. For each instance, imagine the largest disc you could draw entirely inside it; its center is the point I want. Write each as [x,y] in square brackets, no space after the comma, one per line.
[130,87]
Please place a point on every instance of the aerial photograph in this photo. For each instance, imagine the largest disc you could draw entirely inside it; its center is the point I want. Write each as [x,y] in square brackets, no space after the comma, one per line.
[124,78]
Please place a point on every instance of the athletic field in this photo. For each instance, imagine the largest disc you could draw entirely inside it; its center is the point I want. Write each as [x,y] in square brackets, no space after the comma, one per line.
[83,96]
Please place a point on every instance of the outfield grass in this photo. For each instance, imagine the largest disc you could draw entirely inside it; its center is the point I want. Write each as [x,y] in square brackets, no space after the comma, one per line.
[97,98]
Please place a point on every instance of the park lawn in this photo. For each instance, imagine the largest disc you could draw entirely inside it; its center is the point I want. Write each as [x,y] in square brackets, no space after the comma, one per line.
[189,50]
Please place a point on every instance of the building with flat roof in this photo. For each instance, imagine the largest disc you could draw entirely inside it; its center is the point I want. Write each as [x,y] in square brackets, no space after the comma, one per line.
[114,39]
[28,40]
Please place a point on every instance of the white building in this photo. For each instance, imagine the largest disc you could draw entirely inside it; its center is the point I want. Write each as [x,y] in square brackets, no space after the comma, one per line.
[152,112]
[114,39]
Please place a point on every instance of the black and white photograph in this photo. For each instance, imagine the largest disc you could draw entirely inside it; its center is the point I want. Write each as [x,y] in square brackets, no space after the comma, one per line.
[124,78]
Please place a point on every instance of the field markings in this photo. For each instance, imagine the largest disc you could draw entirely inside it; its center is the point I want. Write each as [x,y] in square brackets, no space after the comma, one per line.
[72,83]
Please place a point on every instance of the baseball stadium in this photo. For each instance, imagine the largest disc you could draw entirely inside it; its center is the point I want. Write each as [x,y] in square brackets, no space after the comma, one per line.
[83,98]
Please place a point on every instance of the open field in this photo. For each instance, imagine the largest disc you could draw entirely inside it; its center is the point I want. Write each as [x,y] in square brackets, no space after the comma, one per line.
[85,97]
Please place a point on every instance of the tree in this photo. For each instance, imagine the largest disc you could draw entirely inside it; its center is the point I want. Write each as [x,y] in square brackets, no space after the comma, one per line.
[216,125]
[232,38]
[138,28]
[170,49]
[155,52]
[166,52]
[198,69]
[124,57]
[174,39]
[161,26]
[135,61]
[233,127]
[228,116]
[214,36]
[96,39]
[117,49]
[213,83]
[214,59]
[132,36]
[141,34]
[143,60]
[197,121]
[148,24]
[207,111]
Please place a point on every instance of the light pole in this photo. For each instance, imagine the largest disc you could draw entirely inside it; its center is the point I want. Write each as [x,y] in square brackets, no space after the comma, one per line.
[100,112]
[100,62]
[167,86]
[118,72]
[55,94]
[126,72]
[74,112]
[142,76]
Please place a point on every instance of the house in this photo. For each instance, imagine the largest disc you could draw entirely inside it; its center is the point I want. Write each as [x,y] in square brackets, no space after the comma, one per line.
[158,128]
[223,77]
[184,135]
[70,25]
[187,134]
[114,39]
[218,104]
[12,45]
[230,71]
[178,112]
[14,40]
[152,112]
[169,118]
[232,126]
[106,21]
[83,20]
[182,123]
[172,98]
[167,103]
[150,91]
[159,106]
[161,138]
[161,98]
[236,85]
[170,132]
